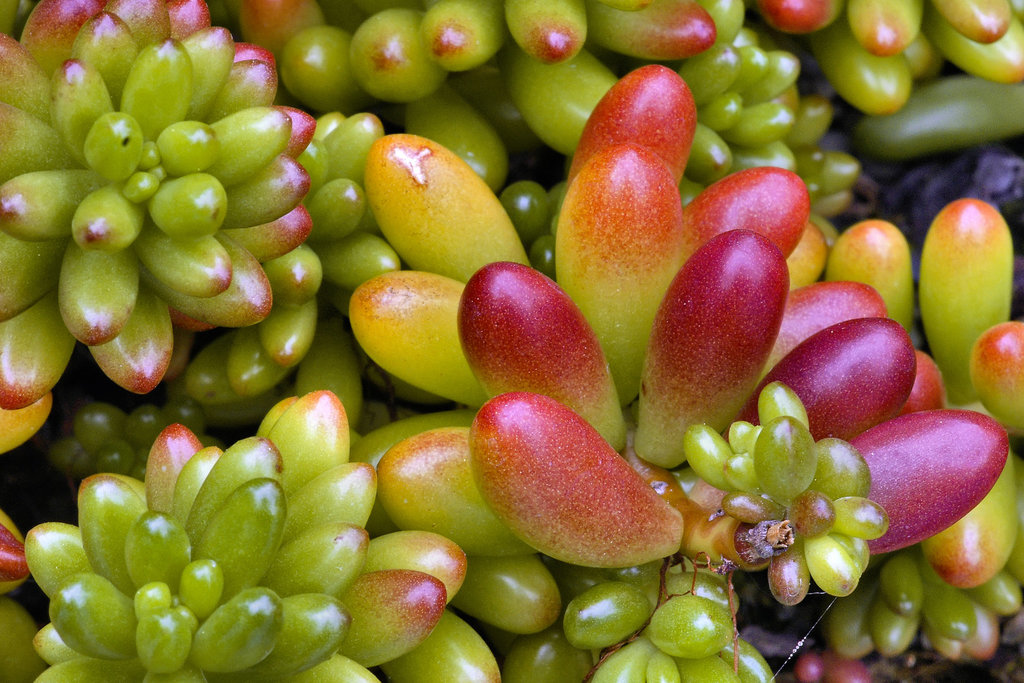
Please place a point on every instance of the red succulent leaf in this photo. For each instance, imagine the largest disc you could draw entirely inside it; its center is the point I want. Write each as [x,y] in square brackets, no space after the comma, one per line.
[929,469]
[850,376]
[561,488]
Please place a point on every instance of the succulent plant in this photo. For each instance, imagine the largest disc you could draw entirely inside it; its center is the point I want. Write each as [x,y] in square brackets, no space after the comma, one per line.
[873,51]
[208,565]
[150,151]
[541,425]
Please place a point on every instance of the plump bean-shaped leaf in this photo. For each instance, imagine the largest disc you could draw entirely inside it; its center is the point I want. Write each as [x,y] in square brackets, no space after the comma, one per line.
[885,28]
[156,548]
[977,546]
[928,392]
[549,32]
[997,359]
[650,106]
[874,84]
[250,370]
[900,585]
[211,51]
[158,89]
[79,97]
[768,200]
[337,668]
[97,292]
[802,16]
[555,99]
[325,558]
[199,267]
[544,657]
[605,614]
[452,651]
[711,337]
[107,507]
[965,285]
[18,426]
[266,195]
[407,322]
[425,551]
[812,308]
[344,493]
[26,86]
[560,487]
[876,253]
[190,479]
[315,68]
[390,59]
[312,436]
[929,469]
[244,534]
[34,145]
[201,587]
[138,357]
[1001,60]
[832,566]
[543,344]
[39,205]
[463,35]
[664,30]
[246,300]
[93,617]
[425,482]
[240,633]
[690,626]
[393,611]
[163,639]
[276,238]
[784,458]
[627,663]
[54,552]
[29,269]
[437,213]
[515,593]
[617,248]
[249,140]
[979,20]
[850,376]
[36,347]
[50,30]
[251,458]
[312,628]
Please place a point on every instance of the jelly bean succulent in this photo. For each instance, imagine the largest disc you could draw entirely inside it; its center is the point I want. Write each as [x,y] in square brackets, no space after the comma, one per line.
[665,306]
[150,173]
[873,51]
[223,561]
[589,399]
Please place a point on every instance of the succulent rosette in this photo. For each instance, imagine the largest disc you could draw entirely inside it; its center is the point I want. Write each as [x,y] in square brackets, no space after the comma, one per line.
[676,310]
[251,560]
[343,249]
[150,175]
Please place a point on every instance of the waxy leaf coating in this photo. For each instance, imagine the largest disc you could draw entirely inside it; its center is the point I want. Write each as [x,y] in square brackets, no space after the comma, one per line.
[850,376]
[617,248]
[651,106]
[561,488]
[766,199]
[929,469]
[521,332]
[711,337]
